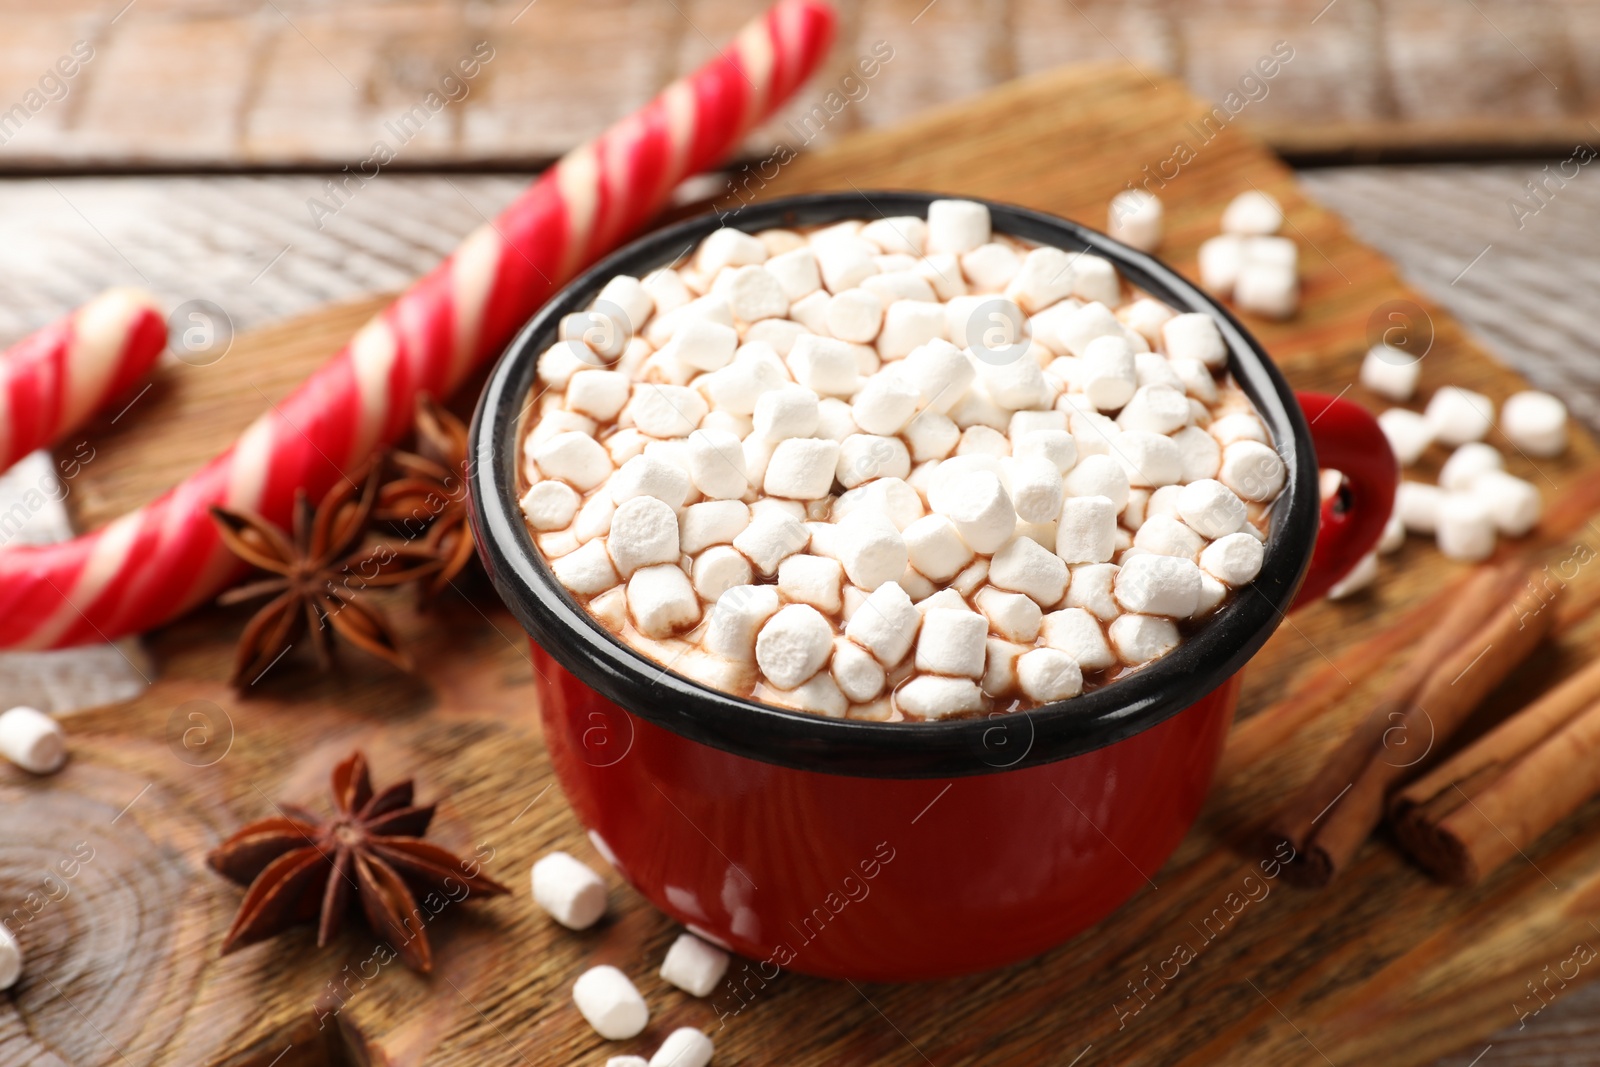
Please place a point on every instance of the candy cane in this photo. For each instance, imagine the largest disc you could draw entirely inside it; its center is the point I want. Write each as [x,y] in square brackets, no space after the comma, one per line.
[163,559]
[53,380]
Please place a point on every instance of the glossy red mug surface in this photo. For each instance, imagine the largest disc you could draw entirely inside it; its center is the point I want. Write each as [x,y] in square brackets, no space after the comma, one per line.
[890,852]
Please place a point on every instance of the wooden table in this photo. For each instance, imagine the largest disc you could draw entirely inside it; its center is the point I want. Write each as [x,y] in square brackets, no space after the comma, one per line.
[172,233]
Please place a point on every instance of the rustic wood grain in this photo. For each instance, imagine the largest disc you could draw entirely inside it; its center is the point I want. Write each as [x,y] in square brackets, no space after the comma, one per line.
[240,83]
[1383,967]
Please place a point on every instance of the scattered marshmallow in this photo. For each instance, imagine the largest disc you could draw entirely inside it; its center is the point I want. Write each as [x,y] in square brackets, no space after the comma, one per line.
[1417,504]
[1252,213]
[1535,422]
[1466,527]
[1220,259]
[10,959]
[1409,434]
[569,890]
[1390,372]
[610,1002]
[1362,575]
[1134,218]
[1466,463]
[684,1047]
[33,741]
[1458,415]
[1513,502]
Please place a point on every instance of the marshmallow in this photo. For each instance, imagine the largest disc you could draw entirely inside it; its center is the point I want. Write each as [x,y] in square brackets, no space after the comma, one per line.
[1194,336]
[1360,576]
[983,440]
[885,404]
[802,469]
[909,324]
[1090,588]
[1161,585]
[1043,278]
[957,226]
[980,507]
[1046,675]
[736,618]
[1234,560]
[771,538]
[1269,289]
[1011,615]
[941,372]
[549,505]
[1390,372]
[1142,638]
[855,315]
[973,575]
[1058,447]
[739,387]
[793,645]
[1417,504]
[587,569]
[666,290]
[1016,383]
[627,1061]
[752,293]
[1535,422]
[991,267]
[1252,213]
[1165,536]
[575,458]
[1086,532]
[858,676]
[714,522]
[891,498]
[1210,508]
[599,394]
[1220,259]
[1148,459]
[35,742]
[665,410]
[684,1047]
[1094,280]
[885,624]
[834,420]
[716,464]
[10,959]
[863,458]
[1459,415]
[1098,475]
[1253,470]
[784,412]
[903,233]
[569,890]
[1409,434]
[1035,487]
[811,312]
[712,308]
[1077,633]
[703,344]
[844,263]
[558,363]
[872,551]
[1024,566]
[1134,218]
[1155,409]
[933,696]
[717,570]
[1199,455]
[952,642]
[935,547]
[1466,527]
[1107,374]
[661,600]
[626,299]
[644,531]
[1514,503]
[609,1001]
[1239,426]
[796,273]
[814,580]
[825,365]
[1466,463]
[1000,667]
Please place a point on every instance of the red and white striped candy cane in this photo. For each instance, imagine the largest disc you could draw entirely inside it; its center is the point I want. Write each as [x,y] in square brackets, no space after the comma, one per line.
[163,559]
[51,381]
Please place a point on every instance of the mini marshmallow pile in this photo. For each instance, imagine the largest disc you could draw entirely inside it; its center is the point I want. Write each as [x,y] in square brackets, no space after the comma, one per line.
[575,896]
[1476,500]
[1248,264]
[903,469]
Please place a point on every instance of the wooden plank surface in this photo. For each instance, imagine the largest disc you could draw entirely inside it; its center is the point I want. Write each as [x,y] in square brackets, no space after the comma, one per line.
[227,83]
[1383,967]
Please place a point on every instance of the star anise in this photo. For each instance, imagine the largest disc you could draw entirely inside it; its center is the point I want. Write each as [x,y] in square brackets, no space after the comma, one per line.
[317,575]
[427,500]
[299,868]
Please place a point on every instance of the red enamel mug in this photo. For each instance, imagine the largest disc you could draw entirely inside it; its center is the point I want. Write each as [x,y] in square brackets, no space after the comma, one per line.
[897,851]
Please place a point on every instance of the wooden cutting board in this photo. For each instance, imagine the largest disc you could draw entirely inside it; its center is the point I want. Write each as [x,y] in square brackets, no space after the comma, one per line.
[1382,967]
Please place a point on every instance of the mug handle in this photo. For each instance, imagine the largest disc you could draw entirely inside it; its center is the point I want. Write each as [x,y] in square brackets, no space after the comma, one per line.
[1347,439]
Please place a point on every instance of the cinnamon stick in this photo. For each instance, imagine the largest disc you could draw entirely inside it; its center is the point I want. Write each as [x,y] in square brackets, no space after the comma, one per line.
[1482,806]
[1484,634]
